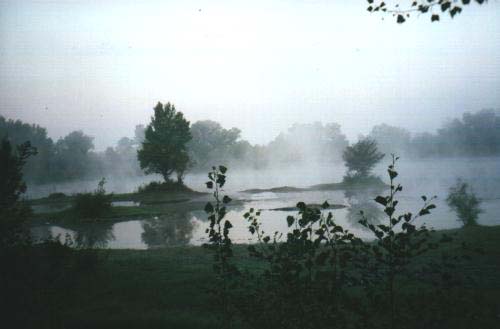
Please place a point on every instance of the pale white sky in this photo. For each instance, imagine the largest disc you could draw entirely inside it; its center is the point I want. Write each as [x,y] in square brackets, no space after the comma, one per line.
[258,65]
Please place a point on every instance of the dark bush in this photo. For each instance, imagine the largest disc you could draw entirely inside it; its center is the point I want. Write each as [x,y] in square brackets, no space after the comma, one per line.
[168,186]
[318,274]
[464,202]
[95,204]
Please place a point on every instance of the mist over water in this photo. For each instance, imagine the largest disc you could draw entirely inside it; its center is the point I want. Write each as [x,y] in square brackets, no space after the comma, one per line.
[277,102]
[424,177]
[297,164]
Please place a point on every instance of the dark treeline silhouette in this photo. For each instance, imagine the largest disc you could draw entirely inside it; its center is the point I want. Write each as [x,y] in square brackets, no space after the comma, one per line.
[73,156]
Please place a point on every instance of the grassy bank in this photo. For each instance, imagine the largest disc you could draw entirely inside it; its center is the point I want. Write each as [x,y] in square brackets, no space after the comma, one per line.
[145,198]
[170,288]
[146,204]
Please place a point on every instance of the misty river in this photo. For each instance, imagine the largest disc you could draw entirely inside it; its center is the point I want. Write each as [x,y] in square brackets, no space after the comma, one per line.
[424,177]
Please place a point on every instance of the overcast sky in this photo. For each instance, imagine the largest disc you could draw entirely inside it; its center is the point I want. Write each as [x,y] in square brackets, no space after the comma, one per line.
[101,66]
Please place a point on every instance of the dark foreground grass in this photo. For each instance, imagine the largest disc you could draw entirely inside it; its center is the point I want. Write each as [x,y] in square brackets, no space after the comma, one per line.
[170,288]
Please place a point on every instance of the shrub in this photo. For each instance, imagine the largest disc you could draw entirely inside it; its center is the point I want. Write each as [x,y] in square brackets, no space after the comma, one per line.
[14,213]
[168,186]
[220,243]
[95,204]
[318,273]
[464,202]
[361,157]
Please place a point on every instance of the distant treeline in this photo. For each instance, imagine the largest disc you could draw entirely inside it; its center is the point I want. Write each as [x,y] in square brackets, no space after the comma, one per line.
[73,156]
[475,134]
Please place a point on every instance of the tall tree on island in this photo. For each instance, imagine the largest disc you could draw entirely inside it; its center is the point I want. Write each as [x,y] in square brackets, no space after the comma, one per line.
[164,148]
[361,157]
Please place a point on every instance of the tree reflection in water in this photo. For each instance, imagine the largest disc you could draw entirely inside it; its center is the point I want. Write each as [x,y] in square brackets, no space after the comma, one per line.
[93,235]
[167,230]
[362,200]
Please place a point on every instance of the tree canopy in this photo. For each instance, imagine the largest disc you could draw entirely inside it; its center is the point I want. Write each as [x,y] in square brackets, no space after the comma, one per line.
[391,139]
[73,158]
[164,149]
[13,213]
[308,142]
[361,157]
[18,132]
[211,142]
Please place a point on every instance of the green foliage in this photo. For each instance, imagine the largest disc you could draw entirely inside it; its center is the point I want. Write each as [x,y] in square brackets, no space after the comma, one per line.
[391,139]
[36,168]
[13,212]
[476,134]
[306,143]
[212,142]
[122,159]
[361,157]
[72,156]
[12,161]
[164,150]
[171,230]
[464,202]
[435,8]
[95,204]
[398,242]
[220,242]
[39,279]
[318,273]
[168,186]
[303,284]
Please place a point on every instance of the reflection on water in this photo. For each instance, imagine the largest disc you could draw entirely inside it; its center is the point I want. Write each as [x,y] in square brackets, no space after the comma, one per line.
[85,235]
[167,230]
[189,228]
[362,201]
[424,177]
[91,235]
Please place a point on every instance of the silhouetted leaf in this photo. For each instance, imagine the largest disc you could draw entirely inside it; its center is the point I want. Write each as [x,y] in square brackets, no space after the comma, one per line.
[389,211]
[209,208]
[424,212]
[445,6]
[392,174]
[423,8]
[454,11]
[382,200]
